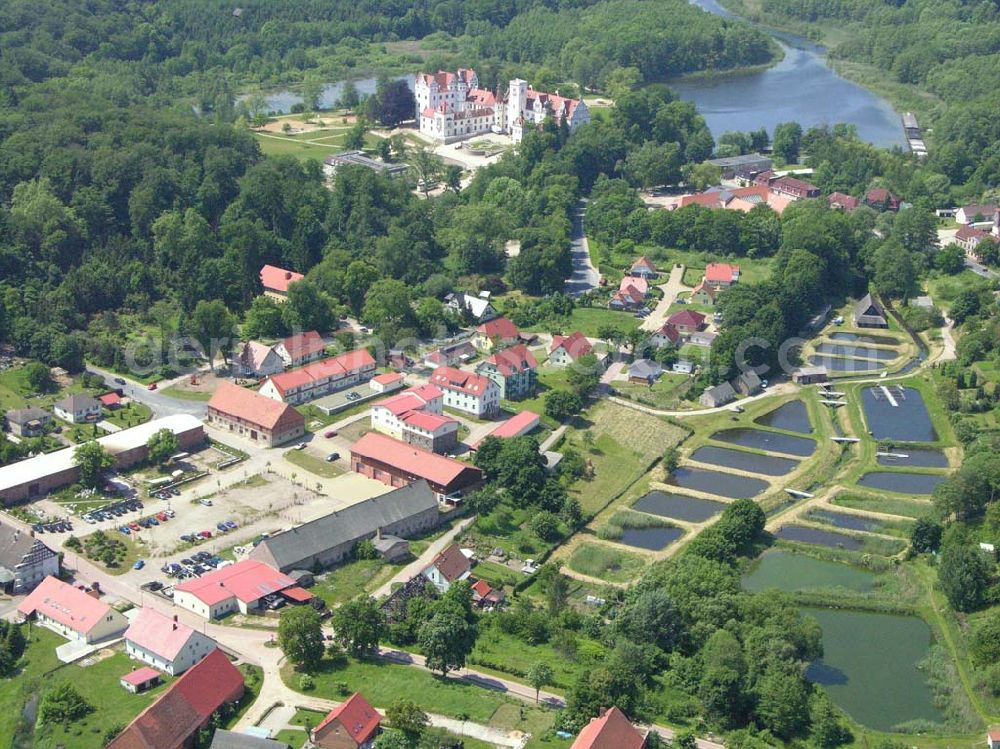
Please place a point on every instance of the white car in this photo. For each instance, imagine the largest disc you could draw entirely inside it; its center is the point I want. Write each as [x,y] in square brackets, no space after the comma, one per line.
[529,567]
[205,502]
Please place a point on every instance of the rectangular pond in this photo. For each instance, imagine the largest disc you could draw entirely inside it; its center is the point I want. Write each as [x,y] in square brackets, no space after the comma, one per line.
[915,457]
[804,534]
[904,483]
[878,340]
[792,417]
[653,539]
[744,461]
[844,520]
[791,572]
[869,666]
[678,506]
[846,365]
[758,439]
[907,421]
[716,482]
[858,352]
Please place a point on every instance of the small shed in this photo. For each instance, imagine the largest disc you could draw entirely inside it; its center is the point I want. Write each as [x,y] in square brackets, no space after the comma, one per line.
[391,548]
[810,375]
[140,680]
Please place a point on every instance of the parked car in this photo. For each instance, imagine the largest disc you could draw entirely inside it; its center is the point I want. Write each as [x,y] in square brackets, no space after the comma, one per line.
[152,386]
[329,434]
[205,502]
[139,564]
[124,529]
[332,457]
[119,381]
[205,534]
[301,446]
[134,525]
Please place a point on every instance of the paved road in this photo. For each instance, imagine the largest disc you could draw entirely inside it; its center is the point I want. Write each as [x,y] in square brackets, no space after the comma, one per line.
[585,276]
[162,405]
[981,270]
[673,287]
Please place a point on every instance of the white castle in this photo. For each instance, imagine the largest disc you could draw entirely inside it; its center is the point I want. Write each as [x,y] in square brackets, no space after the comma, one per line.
[451,106]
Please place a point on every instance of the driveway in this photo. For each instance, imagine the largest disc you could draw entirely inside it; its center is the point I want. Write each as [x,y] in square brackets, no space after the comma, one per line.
[585,276]
[673,287]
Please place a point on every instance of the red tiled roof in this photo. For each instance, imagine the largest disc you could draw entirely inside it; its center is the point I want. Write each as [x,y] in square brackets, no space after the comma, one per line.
[687,318]
[65,604]
[704,199]
[110,399]
[721,272]
[301,345]
[237,402]
[470,383]
[515,426]
[481,588]
[248,581]
[452,563]
[967,231]
[847,202]
[611,731]
[499,327]
[703,286]
[159,633]
[670,332]
[278,279]
[297,594]
[994,734]
[186,706]
[575,344]
[329,368]
[140,676]
[388,378]
[644,262]
[437,469]
[512,360]
[986,210]
[794,183]
[641,285]
[358,718]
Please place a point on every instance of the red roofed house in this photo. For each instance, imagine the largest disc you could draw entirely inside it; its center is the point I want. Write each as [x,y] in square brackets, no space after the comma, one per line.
[165,643]
[516,426]
[277,280]
[254,417]
[450,566]
[495,334]
[968,238]
[787,186]
[396,464]
[993,739]
[514,370]
[320,377]
[351,725]
[486,596]
[687,321]
[631,293]
[721,275]
[416,417]
[227,590]
[173,721]
[643,268]
[140,680]
[567,349]
[703,294]
[301,348]
[842,202]
[610,731]
[881,199]
[465,391]
[71,612]
[968,213]
[386,383]
[110,400]
[667,335]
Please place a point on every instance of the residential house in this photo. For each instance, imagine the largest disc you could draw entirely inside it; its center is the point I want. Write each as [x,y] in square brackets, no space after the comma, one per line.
[387,382]
[75,614]
[28,422]
[666,335]
[257,360]
[643,268]
[514,370]
[397,464]
[682,367]
[993,739]
[253,416]
[110,401]
[486,596]
[140,680]
[810,375]
[78,408]
[745,166]
[687,321]
[789,186]
[320,378]
[451,355]
[416,417]
[517,425]
[881,200]
[743,199]
[173,721]
[703,294]
[721,275]
[631,293]
[968,214]
[717,396]
[24,561]
[843,202]
[868,313]
[357,158]
[969,238]
[495,334]
[165,643]
[223,739]
[318,544]
[467,392]
[276,281]
[238,588]
[479,308]
[702,338]
[567,349]
[301,348]
[353,724]
[748,383]
[447,568]
[644,371]
[612,730]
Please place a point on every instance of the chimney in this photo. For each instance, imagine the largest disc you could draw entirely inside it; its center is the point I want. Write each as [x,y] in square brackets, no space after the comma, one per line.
[175,625]
[175,617]
[378,533]
[288,274]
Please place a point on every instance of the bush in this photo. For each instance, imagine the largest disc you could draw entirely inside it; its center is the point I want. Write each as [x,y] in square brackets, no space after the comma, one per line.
[992,681]
[306,683]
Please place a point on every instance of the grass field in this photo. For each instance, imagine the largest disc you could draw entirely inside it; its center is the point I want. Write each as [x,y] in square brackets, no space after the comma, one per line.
[664,393]
[129,415]
[504,653]
[904,507]
[175,391]
[314,465]
[605,563]
[313,146]
[351,579]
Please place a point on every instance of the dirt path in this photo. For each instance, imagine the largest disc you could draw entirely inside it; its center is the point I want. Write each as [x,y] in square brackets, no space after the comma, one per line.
[673,287]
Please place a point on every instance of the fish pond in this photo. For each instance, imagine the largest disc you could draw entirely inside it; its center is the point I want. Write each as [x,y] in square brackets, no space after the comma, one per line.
[790,572]
[904,483]
[877,340]
[916,457]
[830,539]
[678,506]
[844,520]
[906,421]
[758,439]
[653,539]
[870,666]
[792,417]
[859,352]
[744,461]
[716,482]
[846,365]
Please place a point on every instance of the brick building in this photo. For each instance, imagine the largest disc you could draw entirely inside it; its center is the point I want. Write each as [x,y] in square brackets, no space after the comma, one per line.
[254,417]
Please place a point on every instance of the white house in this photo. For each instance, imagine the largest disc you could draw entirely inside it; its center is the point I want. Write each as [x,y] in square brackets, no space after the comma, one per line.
[465,391]
[567,349]
[165,643]
[78,408]
[68,611]
[448,567]
[479,307]
[415,416]
[230,590]
[968,213]
[258,360]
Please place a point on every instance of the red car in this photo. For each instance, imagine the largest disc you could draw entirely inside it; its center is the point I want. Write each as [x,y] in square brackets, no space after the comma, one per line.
[331,433]
[162,517]
[205,534]
[134,526]
[152,386]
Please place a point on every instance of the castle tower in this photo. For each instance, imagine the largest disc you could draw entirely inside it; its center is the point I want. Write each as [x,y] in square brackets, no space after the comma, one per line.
[517,101]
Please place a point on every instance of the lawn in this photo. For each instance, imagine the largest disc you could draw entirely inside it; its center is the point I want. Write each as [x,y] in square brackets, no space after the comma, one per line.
[181,393]
[129,415]
[314,465]
[351,579]
[549,379]
[13,389]
[590,320]
[313,146]
[39,659]
[665,393]
[505,654]
[605,563]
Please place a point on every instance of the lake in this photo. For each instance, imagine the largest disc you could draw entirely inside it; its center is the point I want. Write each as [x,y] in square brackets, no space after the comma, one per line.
[678,506]
[281,102]
[907,421]
[726,457]
[759,439]
[715,482]
[869,666]
[790,572]
[792,417]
